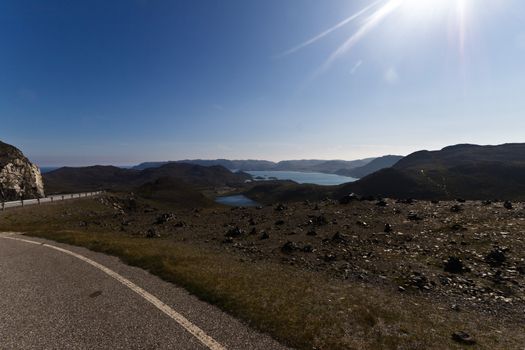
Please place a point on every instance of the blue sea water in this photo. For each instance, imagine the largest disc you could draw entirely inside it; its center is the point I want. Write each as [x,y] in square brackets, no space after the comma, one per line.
[304,178]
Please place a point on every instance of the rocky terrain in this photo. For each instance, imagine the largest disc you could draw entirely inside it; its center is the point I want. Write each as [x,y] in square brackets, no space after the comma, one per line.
[467,254]
[19,178]
[456,267]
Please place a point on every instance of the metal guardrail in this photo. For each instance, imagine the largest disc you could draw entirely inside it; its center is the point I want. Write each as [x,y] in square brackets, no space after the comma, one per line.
[48,199]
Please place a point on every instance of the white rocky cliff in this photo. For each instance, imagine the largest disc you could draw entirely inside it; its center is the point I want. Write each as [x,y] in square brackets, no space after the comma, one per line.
[19,178]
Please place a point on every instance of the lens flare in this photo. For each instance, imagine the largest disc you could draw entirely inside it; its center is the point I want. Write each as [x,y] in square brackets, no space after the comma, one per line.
[376,13]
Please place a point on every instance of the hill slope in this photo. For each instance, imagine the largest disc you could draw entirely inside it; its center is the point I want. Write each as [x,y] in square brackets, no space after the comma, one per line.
[467,171]
[375,165]
[110,177]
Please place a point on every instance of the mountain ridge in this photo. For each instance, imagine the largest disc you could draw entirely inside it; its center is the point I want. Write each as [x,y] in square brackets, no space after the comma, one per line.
[305,165]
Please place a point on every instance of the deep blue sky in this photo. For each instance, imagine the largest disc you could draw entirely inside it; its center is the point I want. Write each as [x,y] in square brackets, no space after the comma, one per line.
[124,81]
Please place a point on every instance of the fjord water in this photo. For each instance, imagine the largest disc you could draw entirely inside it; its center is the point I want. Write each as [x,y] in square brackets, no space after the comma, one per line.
[304,177]
[236,201]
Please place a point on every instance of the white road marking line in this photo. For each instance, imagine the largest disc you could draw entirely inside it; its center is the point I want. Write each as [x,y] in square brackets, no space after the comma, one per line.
[198,333]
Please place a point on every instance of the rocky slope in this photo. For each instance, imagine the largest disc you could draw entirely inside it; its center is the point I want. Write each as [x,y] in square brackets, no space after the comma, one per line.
[19,178]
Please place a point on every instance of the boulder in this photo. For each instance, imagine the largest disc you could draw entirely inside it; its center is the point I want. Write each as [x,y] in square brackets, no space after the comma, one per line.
[19,178]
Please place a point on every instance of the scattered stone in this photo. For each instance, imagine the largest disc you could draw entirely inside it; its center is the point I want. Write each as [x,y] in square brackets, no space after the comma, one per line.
[265,235]
[308,248]
[496,257]
[508,205]
[463,338]
[319,220]
[338,237]
[457,227]
[228,240]
[460,200]
[454,265]
[352,197]
[152,233]
[235,232]
[180,224]
[361,223]
[289,247]
[164,218]
[279,223]
[414,216]
[280,207]
[388,228]
[405,201]
[382,203]
[311,233]
[420,281]
[330,257]
[455,208]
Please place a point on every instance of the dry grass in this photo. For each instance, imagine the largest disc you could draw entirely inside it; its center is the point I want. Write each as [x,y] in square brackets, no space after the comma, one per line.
[302,309]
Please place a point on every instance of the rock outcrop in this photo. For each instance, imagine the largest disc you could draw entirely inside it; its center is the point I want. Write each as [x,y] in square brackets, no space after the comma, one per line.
[19,178]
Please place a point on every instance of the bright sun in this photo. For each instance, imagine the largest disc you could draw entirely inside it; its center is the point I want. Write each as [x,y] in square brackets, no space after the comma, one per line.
[412,12]
[428,9]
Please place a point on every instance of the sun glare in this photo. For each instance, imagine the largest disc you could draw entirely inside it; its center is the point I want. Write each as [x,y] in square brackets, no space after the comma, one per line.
[429,9]
[443,13]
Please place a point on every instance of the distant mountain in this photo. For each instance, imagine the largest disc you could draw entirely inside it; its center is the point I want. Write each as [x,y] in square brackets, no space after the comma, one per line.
[242,165]
[87,178]
[367,169]
[320,166]
[306,165]
[466,171]
[109,177]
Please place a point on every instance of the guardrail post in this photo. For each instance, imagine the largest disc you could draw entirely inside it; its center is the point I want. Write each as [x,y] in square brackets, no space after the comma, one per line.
[62,197]
[51,198]
[3,206]
[38,200]
[22,201]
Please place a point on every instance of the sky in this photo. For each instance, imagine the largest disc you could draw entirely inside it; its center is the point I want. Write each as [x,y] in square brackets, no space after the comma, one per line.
[126,81]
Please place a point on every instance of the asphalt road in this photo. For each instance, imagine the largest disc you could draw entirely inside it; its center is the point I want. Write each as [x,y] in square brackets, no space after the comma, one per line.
[64,299]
